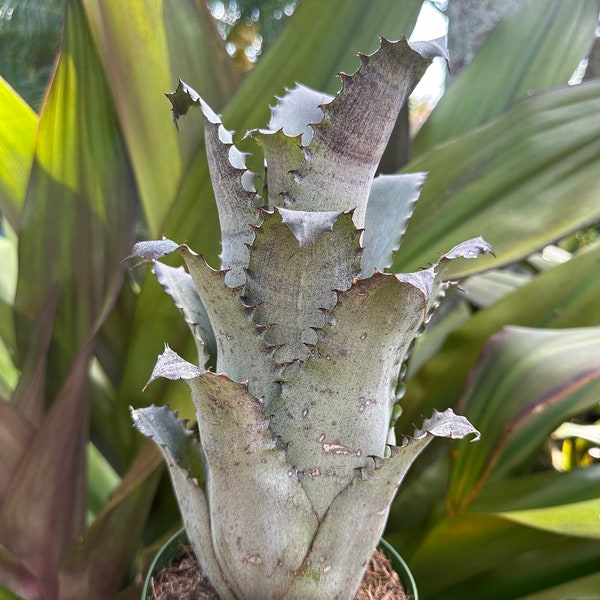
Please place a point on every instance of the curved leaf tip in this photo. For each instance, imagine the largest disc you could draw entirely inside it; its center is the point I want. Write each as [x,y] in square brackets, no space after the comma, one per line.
[154,249]
[171,366]
[470,249]
[447,424]
[181,100]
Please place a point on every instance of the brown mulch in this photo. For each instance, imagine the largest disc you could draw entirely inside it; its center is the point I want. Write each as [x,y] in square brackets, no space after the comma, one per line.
[183,580]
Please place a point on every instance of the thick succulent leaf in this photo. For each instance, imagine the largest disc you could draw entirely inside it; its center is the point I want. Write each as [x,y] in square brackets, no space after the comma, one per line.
[179,285]
[333,416]
[96,565]
[290,247]
[234,201]
[172,40]
[339,555]
[317,42]
[536,47]
[297,110]
[79,213]
[241,351]
[527,382]
[510,181]
[252,473]
[350,139]
[183,457]
[49,482]
[283,156]
[565,296]
[17,142]
[391,202]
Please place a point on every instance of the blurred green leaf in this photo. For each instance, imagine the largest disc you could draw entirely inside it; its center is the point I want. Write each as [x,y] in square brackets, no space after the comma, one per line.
[538,490]
[578,518]
[79,213]
[17,141]
[483,556]
[527,382]
[584,588]
[102,480]
[510,180]
[144,48]
[538,46]
[565,296]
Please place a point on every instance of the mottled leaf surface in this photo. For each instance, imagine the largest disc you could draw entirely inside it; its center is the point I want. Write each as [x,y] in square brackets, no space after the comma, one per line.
[182,455]
[250,471]
[179,285]
[339,555]
[297,263]
[241,351]
[333,415]
[564,296]
[350,139]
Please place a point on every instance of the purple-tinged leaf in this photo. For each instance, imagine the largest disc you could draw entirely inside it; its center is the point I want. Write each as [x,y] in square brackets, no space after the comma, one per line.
[16,434]
[95,566]
[527,382]
[17,579]
[30,394]
[49,483]
[81,205]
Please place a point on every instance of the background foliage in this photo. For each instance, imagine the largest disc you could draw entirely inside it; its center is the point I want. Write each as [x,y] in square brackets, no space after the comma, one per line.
[512,153]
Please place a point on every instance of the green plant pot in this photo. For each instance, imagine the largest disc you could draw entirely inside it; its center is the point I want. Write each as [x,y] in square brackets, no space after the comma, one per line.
[172,545]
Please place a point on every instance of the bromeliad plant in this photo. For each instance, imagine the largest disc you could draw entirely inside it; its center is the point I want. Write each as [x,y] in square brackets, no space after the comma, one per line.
[296,426]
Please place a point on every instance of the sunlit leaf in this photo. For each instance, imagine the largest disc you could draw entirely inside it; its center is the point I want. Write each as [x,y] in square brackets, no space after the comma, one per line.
[78,220]
[144,48]
[17,140]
